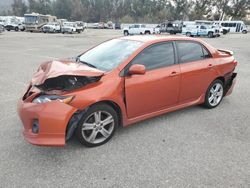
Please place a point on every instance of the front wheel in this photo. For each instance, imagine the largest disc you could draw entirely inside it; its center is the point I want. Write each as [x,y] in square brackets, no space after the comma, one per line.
[214,94]
[126,33]
[97,126]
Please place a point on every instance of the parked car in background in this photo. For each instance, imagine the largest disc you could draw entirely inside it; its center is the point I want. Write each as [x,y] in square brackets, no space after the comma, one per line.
[192,30]
[157,29]
[69,27]
[100,25]
[138,29]
[1,28]
[213,24]
[109,25]
[52,27]
[146,76]
[117,25]
[172,27]
[79,26]
[14,26]
[2,20]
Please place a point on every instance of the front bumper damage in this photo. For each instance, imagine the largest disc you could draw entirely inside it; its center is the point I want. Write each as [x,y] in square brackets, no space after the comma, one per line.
[53,119]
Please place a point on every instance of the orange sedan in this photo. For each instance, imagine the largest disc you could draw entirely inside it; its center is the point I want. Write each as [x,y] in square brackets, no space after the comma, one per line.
[120,82]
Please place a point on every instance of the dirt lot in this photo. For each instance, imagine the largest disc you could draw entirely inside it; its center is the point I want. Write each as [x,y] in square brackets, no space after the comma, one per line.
[193,147]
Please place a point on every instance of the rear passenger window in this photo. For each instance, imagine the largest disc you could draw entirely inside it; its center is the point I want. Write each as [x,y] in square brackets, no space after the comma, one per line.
[191,51]
[156,56]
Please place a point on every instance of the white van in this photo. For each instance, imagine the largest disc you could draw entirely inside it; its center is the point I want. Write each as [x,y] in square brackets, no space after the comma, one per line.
[200,30]
[234,26]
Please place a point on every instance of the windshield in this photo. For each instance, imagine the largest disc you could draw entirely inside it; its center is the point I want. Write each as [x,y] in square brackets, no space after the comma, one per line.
[110,54]
[69,24]
[30,19]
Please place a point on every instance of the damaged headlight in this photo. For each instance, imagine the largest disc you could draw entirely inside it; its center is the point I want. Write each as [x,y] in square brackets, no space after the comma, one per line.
[49,98]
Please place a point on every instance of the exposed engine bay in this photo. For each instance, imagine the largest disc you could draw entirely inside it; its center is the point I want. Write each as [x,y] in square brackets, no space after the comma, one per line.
[67,82]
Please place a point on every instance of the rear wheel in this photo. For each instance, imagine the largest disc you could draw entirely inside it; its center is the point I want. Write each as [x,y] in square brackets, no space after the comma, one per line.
[214,94]
[210,35]
[147,32]
[188,34]
[244,32]
[97,126]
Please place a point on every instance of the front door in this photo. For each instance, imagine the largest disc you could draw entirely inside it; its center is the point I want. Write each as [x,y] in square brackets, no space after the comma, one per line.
[158,88]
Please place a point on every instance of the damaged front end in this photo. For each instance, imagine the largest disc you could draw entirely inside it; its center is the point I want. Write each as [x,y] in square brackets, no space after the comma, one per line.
[67,82]
[50,93]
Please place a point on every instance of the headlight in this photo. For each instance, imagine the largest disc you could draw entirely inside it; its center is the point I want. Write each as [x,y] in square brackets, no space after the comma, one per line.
[49,98]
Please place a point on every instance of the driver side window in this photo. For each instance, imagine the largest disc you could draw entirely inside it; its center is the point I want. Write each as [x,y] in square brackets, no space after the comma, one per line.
[156,56]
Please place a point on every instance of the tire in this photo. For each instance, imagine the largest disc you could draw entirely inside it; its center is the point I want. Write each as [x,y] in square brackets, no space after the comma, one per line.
[188,34]
[214,94]
[147,32]
[16,29]
[210,35]
[244,32]
[126,33]
[93,134]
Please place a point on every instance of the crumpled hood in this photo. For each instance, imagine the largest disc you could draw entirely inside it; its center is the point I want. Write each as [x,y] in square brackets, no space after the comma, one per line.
[53,69]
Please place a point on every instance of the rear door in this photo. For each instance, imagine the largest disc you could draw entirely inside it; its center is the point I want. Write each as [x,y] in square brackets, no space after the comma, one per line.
[158,88]
[197,72]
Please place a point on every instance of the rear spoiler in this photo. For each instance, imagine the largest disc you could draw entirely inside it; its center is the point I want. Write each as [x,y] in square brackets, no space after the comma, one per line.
[226,51]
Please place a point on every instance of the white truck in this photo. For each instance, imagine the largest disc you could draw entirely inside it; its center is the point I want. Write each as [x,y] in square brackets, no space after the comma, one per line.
[138,29]
[69,27]
[80,26]
[51,27]
[200,30]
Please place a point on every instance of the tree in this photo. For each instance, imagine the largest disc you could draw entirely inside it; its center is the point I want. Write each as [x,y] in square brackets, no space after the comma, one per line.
[239,8]
[222,8]
[201,9]
[62,8]
[19,8]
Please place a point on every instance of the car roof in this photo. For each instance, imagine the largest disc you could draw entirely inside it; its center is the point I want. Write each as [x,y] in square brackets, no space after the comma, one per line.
[157,38]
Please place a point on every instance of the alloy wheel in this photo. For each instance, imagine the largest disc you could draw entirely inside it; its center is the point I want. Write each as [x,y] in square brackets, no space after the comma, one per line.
[215,94]
[98,127]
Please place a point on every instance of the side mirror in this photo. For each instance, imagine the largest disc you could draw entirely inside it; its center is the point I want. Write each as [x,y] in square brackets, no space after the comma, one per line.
[137,69]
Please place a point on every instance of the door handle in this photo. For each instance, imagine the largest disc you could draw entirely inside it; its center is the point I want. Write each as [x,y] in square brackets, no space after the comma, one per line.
[174,73]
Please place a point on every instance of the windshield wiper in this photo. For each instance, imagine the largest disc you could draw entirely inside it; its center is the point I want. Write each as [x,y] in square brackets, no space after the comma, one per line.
[86,63]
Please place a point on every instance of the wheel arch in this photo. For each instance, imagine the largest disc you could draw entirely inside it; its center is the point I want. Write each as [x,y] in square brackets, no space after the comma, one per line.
[74,121]
[115,106]
[221,78]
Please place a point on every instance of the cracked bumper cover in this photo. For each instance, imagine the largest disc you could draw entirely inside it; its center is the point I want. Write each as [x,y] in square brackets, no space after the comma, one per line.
[230,85]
